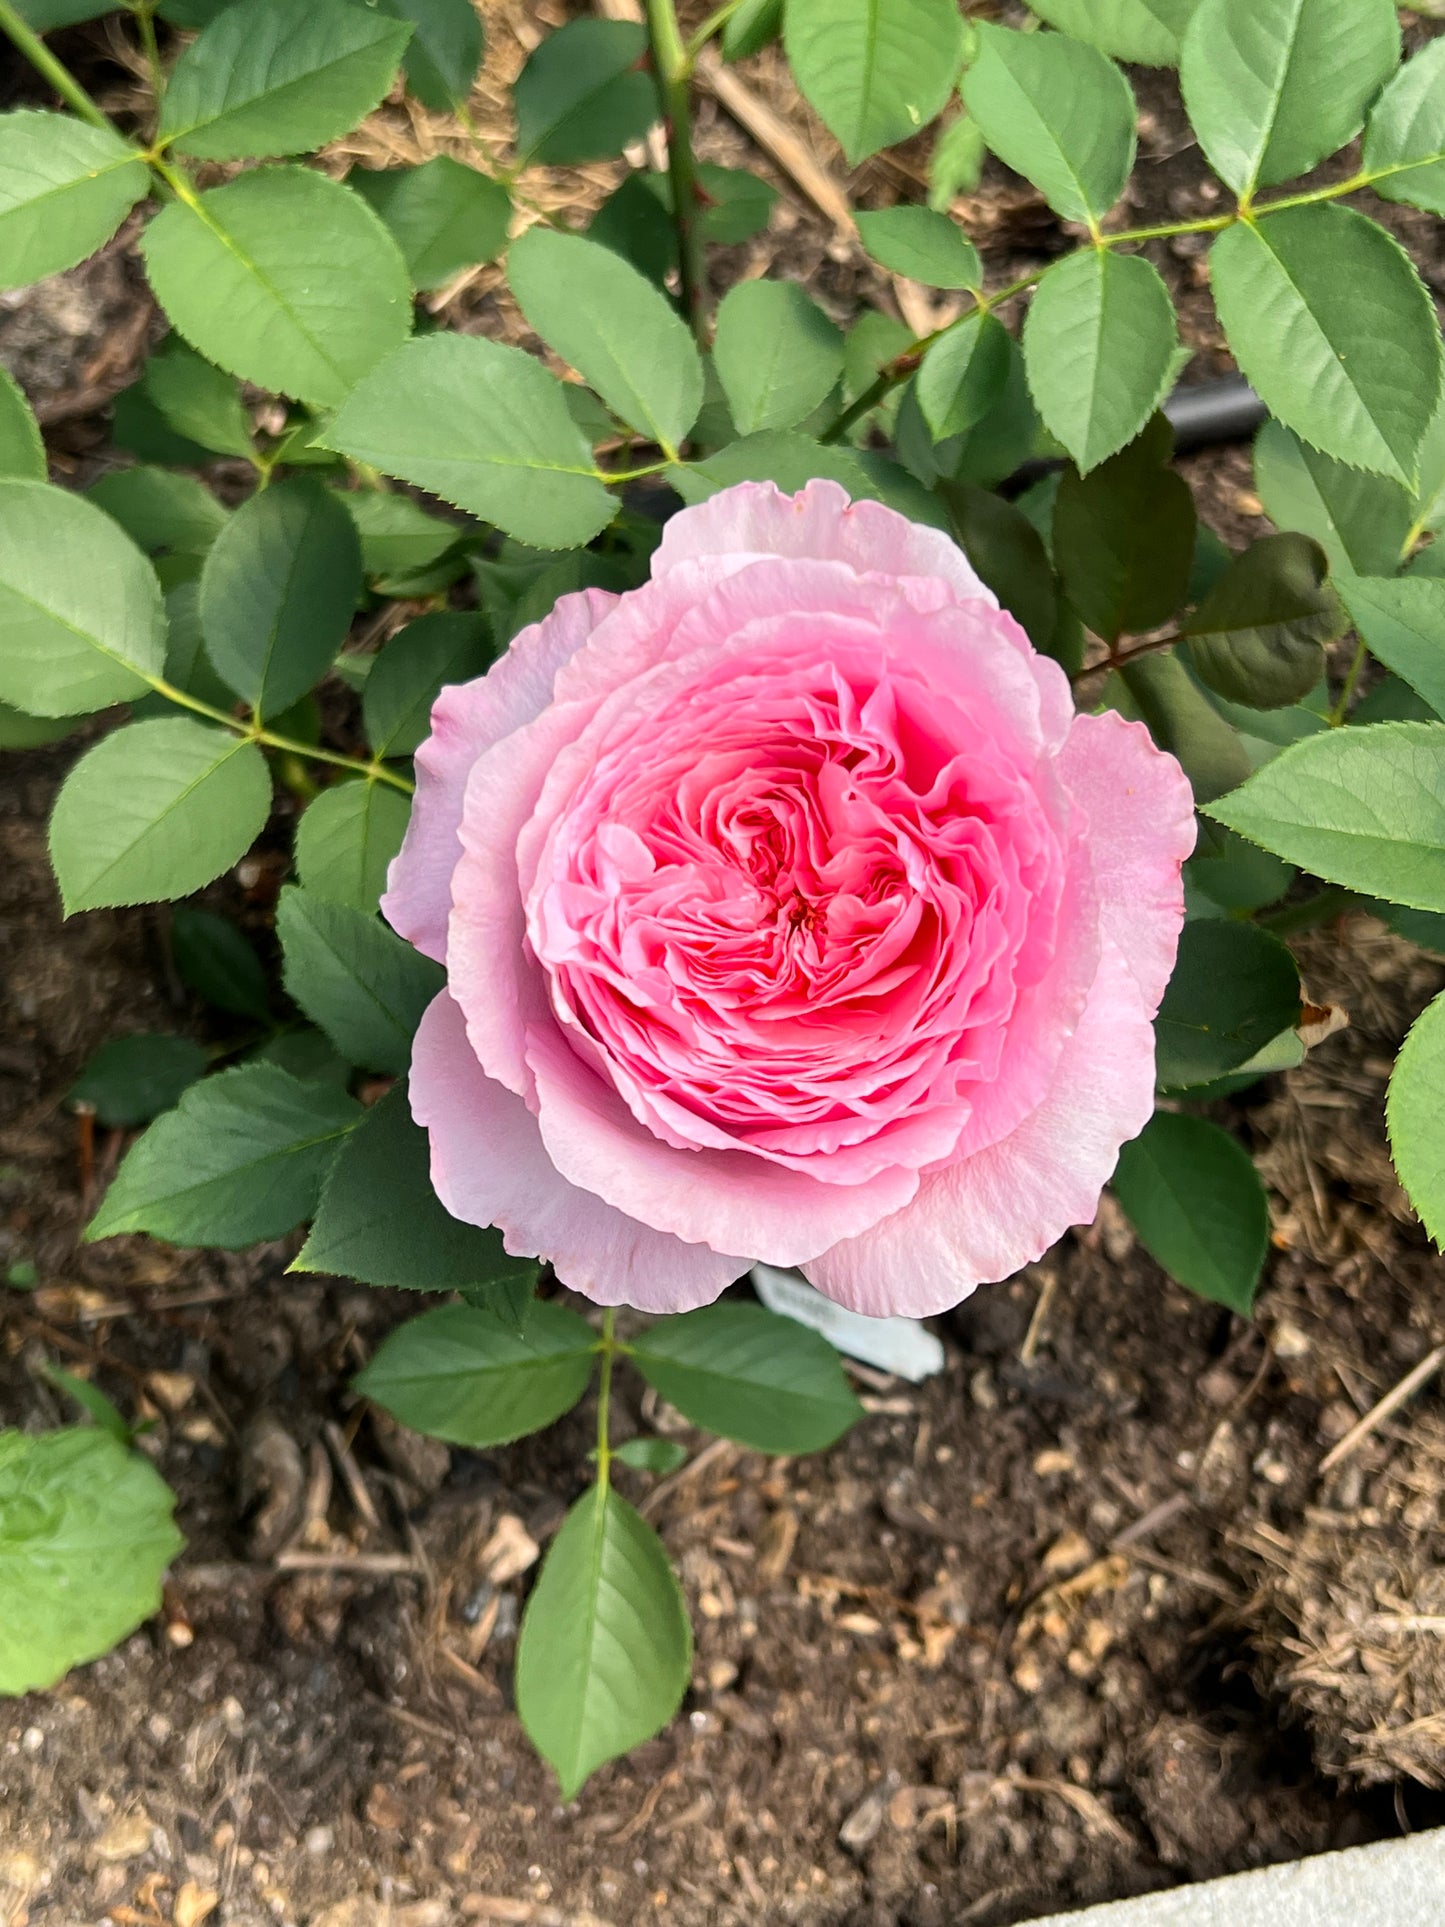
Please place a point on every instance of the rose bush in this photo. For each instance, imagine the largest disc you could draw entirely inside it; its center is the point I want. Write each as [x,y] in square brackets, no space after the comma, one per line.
[790,912]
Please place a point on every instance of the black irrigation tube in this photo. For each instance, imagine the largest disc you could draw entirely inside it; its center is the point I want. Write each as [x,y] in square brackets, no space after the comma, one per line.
[1206,414]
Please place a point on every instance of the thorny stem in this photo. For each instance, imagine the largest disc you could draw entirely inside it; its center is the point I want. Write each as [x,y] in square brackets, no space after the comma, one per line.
[49,68]
[1119,658]
[906,361]
[608,1349]
[672,64]
[374,772]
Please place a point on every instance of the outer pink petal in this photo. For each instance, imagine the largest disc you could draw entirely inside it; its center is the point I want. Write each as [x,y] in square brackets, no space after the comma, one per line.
[983,1219]
[821,523]
[1141,828]
[466,719]
[727,1199]
[489,1167]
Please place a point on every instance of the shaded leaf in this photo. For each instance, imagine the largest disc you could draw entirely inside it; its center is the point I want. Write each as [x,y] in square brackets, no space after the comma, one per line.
[584,93]
[1402,622]
[1413,1113]
[963,375]
[777,354]
[1360,521]
[355,978]
[1234,987]
[132,1079]
[1256,636]
[1193,1196]
[1124,538]
[444,216]
[217,962]
[412,670]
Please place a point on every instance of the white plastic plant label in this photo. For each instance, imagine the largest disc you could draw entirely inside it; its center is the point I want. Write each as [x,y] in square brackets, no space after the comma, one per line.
[898,1345]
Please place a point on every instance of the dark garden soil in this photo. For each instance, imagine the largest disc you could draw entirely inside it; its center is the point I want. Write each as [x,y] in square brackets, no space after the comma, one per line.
[1078,1618]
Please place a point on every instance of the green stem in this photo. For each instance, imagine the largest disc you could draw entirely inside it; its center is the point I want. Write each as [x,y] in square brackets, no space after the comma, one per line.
[712,26]
[608,1349]
[906,361]
[673,66]
[374,772]
[1347,689]
[49,68]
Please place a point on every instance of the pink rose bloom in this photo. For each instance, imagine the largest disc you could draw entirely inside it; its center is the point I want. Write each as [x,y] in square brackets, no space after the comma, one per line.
[790,913]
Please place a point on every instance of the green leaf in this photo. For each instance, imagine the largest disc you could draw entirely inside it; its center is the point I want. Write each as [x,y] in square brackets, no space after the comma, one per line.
[1234,987]
[1009,554]
[410,673]
[625,339]
[1182,720]
[154,811]
[1102,349]
[215,961]
[1364,807]
[791,460]
[91,1401]
[132,1079]
[397,534]
[22,453]
[777,354]
[1124,538]
[80,607]
[1405,140]
[241,1158]
[355,978]
[268,77]
[199,401]
[922,244]
[1147,31]
[1402,622]
[160,511]
[65,187]
[1420,927]
[465,1375]
[1193,1196]
[444,216]
[1360,521]
[956,164]
[1412,1111]
[381,1221]
[278,592]
[85,1535]
[651,1454]
[1256,636]
[1272,86]
[584,94]
[1329,321]
[752,27]
[963,374]
[750,1375]
[1059,113]
[347,838]
[875,74]
[284,278]
[139,427]
[606,1649]
[445,50]
[483,426]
